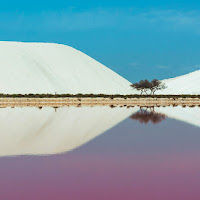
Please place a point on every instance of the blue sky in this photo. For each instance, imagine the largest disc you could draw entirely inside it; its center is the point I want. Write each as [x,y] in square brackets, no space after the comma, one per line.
[136,38]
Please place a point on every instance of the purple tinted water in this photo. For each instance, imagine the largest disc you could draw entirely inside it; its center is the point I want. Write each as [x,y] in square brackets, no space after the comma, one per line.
[130,161]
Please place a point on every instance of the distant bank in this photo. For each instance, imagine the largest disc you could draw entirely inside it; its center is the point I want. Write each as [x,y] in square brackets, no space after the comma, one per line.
[156,101]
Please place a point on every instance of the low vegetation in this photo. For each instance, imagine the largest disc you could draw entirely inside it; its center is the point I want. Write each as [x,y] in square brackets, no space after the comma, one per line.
[94,96]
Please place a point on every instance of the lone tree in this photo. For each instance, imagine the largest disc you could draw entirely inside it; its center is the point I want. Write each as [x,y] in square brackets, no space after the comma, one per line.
[145,85]
[156,85]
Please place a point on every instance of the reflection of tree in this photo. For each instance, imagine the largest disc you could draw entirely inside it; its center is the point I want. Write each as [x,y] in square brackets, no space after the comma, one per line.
[145,116]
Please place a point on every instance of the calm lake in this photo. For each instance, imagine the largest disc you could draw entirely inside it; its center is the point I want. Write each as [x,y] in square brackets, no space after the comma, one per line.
[100,153]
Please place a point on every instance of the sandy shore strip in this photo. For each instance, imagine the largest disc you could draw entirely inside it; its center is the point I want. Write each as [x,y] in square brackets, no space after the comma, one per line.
[61,102]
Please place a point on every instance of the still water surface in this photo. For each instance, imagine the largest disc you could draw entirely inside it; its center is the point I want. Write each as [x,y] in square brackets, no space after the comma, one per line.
[100,153]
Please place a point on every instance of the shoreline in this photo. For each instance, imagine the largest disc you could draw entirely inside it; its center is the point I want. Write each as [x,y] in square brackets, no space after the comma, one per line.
[90,102]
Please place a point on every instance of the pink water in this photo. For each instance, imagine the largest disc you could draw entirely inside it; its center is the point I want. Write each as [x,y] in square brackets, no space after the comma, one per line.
[130,161]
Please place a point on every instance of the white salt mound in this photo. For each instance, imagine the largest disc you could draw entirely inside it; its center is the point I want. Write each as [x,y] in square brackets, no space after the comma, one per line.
[42,68]
[49,68]
[186,84]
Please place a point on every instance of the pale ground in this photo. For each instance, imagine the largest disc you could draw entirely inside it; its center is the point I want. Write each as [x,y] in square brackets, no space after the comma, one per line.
[59,102]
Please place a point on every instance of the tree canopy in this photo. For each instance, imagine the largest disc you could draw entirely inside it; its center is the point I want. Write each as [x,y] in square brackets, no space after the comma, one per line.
[144,86]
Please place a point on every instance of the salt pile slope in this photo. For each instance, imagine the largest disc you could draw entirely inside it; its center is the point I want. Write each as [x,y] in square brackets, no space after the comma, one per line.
[49,68]
[31,131]
[186,84]
[190,115]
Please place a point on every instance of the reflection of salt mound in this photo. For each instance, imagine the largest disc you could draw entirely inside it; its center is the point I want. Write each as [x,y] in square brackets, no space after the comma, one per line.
[33,131]
[49,68]
[188,114]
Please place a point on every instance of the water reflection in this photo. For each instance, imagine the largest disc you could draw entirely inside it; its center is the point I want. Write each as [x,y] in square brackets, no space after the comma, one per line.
[130,161]
[33,131]
[147,115]
[25,131]
[189,115]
